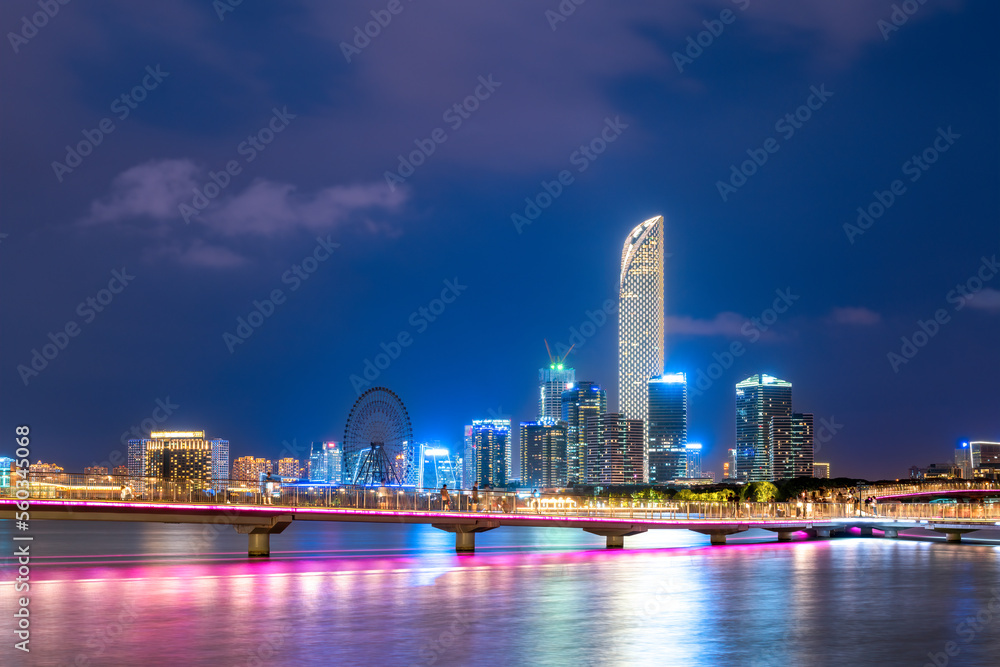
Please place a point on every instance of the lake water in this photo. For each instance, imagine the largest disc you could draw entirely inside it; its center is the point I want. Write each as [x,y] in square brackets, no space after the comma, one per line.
[357,594]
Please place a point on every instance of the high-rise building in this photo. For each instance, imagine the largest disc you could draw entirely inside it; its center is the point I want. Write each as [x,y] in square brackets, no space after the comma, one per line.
[543,453]
[821,470]
[667,427]
[693,459]
[758,398]
[614,449]
[136,459]
[437,467]
[730,465]
[552,382]
[491,441]
[289,468]
[180,456]
[220,459]
[469,475]
[791,446]
[249,469]
[986,459]
[582,400]
[325,462]
[640,316]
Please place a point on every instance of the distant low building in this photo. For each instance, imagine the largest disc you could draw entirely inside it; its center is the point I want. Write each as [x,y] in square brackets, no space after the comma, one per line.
[821,470]
[95,474]
[289,468]
[120,471]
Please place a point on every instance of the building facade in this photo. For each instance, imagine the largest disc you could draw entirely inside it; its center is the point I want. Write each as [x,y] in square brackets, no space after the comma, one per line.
[614,450]
[758,399]
[491,442]
[552,382]
[179,456]
[640,317]
[692,451]
[289,468]
[821,470]
[250,469]
[543,453]
[667,427]
[791,446]
[584,399]
[325,462]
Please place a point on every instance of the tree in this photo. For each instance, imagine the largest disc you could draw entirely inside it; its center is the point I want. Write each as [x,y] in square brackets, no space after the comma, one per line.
[759,492]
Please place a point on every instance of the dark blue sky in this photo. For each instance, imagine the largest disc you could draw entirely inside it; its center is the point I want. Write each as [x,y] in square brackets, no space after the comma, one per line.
[342,125]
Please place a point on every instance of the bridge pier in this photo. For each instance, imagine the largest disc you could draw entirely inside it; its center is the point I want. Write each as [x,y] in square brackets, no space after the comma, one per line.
[259,535]
[785,535]
[954,534]
[866,531]
[717,536]
[615,537]
[465,533]
[891,532]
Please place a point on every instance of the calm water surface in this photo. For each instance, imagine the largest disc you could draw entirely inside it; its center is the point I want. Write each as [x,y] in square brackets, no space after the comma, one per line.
[342,594]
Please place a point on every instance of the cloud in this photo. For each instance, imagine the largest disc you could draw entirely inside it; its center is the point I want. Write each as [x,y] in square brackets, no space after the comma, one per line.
[200,253]
[266,208]
[724,324]
[149,190]
[852,316]
[987,299]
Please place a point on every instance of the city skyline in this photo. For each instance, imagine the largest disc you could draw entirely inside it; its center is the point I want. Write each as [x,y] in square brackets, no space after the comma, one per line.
[794,267]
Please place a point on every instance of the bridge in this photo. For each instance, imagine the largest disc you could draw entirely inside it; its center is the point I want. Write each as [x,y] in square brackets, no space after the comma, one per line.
[259,514]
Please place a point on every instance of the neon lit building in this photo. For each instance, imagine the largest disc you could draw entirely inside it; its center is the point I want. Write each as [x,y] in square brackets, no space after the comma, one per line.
[181,456]
[543,453]
[692,452]
[249,469]
[491,441]
[552,382]
[325,462]
[667,427]
[640,317]
[437,467]
[791,446]
[614,449]
[584,399]
[758,399]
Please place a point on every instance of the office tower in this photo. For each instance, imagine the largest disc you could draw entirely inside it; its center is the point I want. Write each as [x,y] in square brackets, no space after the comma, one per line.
[667,427]
[758,398]
[640,316]
[986,459]
[136,459]
[693,459]
[468,459]
[730,465]
[220,459]
[614,449]
[582,400]
[7,467]
[437,467]
[491,440]
[180,456]
[552,382]
[821,470]
[288,468]
[543,453]
[791,446]
[325,462]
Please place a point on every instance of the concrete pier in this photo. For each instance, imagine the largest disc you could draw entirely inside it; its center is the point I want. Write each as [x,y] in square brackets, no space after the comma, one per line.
[259,535]
[465,533]
[615,537]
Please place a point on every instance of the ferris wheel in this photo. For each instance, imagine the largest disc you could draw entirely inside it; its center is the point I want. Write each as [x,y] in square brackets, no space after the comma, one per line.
[378,441]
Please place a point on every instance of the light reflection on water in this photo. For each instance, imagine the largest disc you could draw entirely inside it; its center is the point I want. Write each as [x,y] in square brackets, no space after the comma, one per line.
[342,594]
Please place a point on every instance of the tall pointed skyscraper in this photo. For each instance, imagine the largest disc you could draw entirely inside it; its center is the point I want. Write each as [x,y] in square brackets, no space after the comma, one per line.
[640,317]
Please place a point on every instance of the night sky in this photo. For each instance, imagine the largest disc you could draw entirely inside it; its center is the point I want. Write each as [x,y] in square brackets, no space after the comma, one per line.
[309,118]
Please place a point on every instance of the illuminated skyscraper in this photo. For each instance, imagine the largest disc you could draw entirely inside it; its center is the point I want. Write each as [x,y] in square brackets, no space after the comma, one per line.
[179,456]
[584,399]
[491,441]
[693,456]
[468,459]
[289,468]
[249,469]
[552,382]
[436,467]
[325,462]
[543,453]
[667,427]
[614,450]
[758,398]
[136,459]
[640,316]
[790,448]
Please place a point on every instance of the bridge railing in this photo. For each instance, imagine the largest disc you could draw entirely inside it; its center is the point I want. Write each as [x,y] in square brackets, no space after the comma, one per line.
[72,486]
